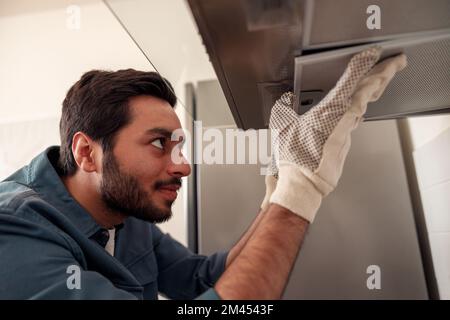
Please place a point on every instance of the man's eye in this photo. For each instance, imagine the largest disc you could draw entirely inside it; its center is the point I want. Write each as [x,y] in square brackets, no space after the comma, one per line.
[159,143]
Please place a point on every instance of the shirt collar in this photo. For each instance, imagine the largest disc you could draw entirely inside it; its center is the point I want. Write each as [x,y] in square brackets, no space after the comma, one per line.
[101,236]
[44,179]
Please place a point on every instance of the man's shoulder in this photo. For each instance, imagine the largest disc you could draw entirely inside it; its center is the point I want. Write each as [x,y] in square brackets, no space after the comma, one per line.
[13,194]
[14,187]
[20,203]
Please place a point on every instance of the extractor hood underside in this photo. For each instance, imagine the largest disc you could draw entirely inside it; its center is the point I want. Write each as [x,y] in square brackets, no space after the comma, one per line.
[261,48]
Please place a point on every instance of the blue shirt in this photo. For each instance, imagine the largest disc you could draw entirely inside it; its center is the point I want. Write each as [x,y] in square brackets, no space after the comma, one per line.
[45,234]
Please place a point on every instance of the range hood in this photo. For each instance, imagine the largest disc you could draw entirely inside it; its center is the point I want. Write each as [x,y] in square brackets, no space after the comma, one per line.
[261,48]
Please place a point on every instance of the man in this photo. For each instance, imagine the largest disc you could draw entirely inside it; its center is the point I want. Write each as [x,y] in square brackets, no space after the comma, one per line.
[79,221]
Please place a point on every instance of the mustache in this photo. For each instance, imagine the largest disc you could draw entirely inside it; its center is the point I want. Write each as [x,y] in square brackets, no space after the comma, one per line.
[176,181]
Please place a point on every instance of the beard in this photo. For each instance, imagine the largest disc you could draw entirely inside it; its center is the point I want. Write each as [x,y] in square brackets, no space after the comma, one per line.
[122,193]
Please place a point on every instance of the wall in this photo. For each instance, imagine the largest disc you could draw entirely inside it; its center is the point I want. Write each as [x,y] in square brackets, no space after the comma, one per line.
[431,151]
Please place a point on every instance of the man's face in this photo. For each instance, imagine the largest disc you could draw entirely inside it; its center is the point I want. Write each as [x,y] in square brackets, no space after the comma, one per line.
[140,178]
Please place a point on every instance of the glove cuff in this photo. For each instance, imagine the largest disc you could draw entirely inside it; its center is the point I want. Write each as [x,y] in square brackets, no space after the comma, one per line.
[271,183]
[295,192]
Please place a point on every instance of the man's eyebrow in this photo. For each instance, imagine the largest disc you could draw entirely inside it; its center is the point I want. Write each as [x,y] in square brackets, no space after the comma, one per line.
[160,131]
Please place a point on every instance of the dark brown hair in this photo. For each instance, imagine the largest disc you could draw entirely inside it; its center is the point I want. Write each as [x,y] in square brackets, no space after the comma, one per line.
[97,105]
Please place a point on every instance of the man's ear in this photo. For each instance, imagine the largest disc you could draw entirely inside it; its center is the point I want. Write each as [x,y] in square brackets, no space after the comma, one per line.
[84,151]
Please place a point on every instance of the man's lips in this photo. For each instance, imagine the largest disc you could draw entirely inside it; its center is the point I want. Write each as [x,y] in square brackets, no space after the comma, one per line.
[171,187]
[169,191]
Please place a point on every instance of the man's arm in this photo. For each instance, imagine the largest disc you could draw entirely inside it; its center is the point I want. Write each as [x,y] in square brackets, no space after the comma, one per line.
[261,269]
[237,248]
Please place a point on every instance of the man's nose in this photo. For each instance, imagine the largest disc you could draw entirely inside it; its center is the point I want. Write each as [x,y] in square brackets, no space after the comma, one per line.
[180,167]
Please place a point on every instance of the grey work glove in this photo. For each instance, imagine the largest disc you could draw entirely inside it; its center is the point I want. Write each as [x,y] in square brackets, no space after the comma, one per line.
[310,150]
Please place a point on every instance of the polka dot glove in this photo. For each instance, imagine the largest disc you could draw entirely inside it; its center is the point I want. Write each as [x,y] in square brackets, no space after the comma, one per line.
[309,150]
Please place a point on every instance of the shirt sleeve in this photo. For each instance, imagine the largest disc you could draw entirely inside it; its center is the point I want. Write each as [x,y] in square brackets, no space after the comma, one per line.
[209,294]
[38,263]
[181,273]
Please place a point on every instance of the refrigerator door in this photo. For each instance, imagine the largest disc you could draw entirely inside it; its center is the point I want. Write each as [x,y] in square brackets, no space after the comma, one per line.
[365,224]
[253,45]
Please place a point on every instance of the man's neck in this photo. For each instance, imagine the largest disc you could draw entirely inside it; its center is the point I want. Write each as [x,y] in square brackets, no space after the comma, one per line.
[84,191]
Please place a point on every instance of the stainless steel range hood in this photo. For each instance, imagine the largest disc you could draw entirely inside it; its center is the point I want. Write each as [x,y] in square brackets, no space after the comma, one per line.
[261,48]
